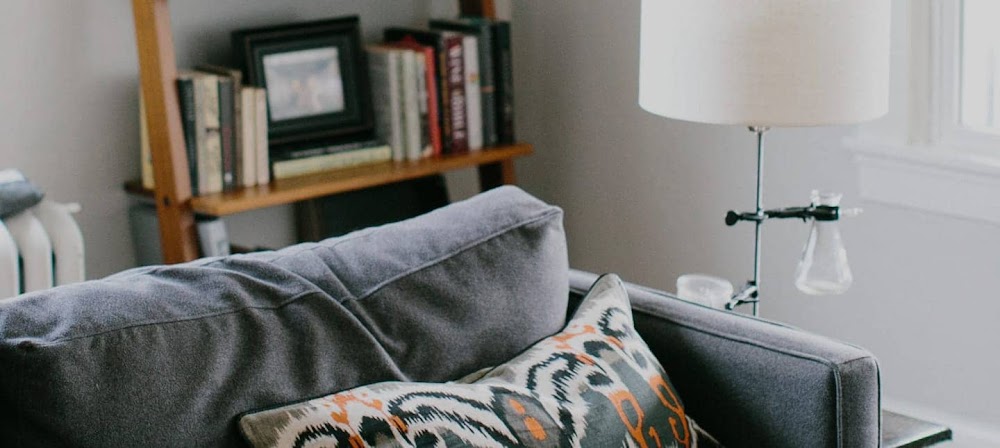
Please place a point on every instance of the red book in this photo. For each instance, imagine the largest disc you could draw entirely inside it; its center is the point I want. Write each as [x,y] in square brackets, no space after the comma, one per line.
[430,75]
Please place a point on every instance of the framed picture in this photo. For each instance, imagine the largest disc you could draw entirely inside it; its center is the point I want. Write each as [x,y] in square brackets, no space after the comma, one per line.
[315,75]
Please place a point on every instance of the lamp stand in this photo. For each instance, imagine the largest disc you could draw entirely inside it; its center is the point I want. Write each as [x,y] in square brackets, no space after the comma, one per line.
[751,291]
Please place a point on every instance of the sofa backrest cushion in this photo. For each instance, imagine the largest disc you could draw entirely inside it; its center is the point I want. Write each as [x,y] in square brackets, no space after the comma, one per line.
[170,355]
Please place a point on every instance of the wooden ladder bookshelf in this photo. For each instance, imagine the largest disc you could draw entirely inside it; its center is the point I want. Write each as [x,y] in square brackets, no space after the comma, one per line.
[176,206]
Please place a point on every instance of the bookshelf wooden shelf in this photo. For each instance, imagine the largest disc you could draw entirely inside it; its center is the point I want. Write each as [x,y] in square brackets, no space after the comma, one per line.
[312,186]
[174,204]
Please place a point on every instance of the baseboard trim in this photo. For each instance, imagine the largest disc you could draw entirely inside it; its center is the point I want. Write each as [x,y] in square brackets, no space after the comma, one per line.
[967,433]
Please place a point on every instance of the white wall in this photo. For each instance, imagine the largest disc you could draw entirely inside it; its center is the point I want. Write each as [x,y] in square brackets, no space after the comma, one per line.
[645,197]
[68,111]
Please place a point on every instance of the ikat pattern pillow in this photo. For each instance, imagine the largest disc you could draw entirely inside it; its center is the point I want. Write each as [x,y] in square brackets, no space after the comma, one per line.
[595,384]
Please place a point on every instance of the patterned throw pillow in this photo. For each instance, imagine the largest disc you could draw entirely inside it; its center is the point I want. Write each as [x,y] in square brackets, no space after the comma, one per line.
[595,384]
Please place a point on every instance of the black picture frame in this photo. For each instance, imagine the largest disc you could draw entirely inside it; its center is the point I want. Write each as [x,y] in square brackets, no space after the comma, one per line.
[316,77]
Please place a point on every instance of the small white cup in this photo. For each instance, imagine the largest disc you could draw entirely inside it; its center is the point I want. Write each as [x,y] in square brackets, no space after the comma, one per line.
[707,290]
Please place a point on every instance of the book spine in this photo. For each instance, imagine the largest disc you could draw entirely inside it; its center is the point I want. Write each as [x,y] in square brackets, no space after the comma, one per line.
[235,84]
[473,93]
[323,150]
[456,125]
[299,167]
[239,165]
[433,46]
[189,123]
[481,29]
[227,127]
[433,104]
[247,148]
[210,140]
[383,66]
[410,106]
[423,106]
[487,84]
[504,70]
[261,144]
[145,151]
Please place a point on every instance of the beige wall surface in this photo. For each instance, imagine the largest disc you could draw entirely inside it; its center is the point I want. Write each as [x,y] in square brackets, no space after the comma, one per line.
[645,197]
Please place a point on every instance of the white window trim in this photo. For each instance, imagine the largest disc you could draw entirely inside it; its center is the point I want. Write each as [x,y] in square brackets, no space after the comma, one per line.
[934,164]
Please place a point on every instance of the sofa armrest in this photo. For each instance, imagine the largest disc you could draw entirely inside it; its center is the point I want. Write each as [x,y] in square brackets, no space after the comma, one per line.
[751,382]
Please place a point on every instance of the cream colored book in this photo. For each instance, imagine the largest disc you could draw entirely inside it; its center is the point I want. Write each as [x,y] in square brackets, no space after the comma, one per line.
[261,143]
[145,151]
[309,165]
[248,140]
[410,108]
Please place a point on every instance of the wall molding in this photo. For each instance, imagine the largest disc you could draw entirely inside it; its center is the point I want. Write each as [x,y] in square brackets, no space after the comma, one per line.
[947,182]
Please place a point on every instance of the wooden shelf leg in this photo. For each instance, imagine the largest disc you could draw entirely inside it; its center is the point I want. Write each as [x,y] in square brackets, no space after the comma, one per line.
[496,174]
[158,74]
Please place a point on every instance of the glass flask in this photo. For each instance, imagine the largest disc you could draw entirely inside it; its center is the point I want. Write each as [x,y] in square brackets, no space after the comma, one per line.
[823,269]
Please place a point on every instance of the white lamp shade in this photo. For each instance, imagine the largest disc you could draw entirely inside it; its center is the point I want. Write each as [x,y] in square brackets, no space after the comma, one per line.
[765,62]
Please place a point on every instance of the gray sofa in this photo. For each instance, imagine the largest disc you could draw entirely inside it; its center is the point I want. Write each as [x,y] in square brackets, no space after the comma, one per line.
[171,355]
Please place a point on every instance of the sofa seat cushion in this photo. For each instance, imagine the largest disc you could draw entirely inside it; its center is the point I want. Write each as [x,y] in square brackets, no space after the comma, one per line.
[167,356]
[594,384]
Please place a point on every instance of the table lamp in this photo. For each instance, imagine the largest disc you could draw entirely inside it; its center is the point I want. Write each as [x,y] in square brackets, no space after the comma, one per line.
[764,64]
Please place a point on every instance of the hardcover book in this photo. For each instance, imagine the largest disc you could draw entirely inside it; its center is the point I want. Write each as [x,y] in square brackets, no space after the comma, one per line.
[284,169]
[227,134]
[235,76]
[261,143]
[427,88]
[455,75]
[145,151]
[410,108]
[481,29]
[440,44]
[385,72]
[504,72]
[247,148]
[210,139]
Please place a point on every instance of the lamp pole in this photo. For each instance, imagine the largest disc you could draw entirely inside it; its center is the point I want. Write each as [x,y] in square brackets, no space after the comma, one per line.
[759,131]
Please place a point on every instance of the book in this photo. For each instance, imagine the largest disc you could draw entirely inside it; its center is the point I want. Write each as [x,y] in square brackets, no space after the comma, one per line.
[227,127]
[324,149]
[235,77]
[189,84]
[503,67]
[427,143]
[412,142]
[261,144]
[145,151]
[213,238]
[455,76]
[209,144]
[481,29]
[283,169]
[247,148]
[385,73]
[427,88]
[439,43]
[473,92]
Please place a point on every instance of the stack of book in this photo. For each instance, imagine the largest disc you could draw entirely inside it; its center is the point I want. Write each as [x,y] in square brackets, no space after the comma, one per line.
[443,90]
[225,131]
[447,89]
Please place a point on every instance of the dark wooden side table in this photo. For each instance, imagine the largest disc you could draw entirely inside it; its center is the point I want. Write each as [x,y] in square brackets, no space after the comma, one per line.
[901,431]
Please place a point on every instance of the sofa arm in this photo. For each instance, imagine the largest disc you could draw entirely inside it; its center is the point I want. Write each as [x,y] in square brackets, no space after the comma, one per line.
[751,382]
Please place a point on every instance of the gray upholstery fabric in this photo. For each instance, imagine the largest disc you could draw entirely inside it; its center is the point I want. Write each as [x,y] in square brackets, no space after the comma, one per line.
[750,382]
[169,356]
